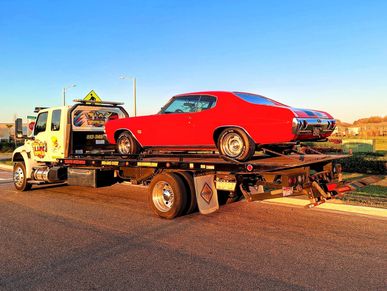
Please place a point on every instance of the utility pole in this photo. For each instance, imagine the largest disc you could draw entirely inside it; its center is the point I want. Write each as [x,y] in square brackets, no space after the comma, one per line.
[134,92]
[134,97]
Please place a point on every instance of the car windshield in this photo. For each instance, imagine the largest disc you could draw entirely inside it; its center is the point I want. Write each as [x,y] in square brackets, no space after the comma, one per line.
[186,104]
[256,99]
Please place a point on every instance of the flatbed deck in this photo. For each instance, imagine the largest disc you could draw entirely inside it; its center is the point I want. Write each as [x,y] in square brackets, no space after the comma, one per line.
[215,162]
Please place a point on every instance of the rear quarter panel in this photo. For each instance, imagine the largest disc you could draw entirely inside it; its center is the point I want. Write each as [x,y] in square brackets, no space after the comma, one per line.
[264,123]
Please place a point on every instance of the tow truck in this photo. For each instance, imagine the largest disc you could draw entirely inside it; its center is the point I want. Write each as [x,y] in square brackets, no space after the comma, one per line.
[68,145]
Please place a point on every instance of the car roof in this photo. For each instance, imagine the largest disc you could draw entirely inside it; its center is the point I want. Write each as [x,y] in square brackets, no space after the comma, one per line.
[225,94]
[205,93]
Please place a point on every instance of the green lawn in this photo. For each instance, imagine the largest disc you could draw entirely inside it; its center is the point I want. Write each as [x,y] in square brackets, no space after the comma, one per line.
[372,191]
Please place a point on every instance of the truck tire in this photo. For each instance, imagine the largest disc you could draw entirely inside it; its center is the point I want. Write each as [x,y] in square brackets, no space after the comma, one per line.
[236,144]
[192,205]
[127,144]
[167,195]
[20,177]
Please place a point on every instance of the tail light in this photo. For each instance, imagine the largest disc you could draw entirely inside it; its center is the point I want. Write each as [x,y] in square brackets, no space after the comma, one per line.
[296,125]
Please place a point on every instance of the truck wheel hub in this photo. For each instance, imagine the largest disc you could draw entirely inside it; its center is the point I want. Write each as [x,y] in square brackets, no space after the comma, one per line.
[163,196]
[18,177]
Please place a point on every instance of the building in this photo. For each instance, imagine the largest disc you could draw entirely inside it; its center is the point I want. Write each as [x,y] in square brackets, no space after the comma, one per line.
[7,131]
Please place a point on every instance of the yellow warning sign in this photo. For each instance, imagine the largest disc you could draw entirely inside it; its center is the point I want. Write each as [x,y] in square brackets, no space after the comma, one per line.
[92,96]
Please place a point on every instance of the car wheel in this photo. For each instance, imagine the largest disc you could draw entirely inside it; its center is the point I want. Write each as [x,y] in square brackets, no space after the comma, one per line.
[20,177]
[167,195]
[127,144]
[236,144]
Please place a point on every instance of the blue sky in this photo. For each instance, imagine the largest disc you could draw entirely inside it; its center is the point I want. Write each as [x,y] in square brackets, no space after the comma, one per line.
[329,55]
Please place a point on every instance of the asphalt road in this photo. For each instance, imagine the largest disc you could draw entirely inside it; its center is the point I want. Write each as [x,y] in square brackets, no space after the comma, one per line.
[72,238]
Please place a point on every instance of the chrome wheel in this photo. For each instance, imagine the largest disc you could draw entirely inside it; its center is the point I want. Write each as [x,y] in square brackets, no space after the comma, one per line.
[124,145]
[232,144]
[18,176]
[163,196]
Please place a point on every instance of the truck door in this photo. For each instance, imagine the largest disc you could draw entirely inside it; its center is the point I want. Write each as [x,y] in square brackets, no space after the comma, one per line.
[55,144]
[39,145]
[48,144]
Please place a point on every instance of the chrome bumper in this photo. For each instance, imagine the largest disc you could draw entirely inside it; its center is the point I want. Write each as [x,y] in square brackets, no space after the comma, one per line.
[313,126]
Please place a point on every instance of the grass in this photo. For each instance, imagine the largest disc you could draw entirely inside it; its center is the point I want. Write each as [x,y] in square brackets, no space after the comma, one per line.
[372,190]
[372,195]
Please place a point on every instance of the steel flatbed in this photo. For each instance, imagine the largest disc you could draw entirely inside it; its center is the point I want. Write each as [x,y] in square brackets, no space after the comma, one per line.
[201,162]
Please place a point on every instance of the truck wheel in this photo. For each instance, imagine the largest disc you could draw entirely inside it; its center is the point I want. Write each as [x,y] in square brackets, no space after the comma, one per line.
[167,195]
[192,204]
[235,143]
[20,177]
[127,144]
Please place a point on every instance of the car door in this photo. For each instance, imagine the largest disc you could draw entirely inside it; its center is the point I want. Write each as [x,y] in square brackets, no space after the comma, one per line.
[171,127]
[203,121]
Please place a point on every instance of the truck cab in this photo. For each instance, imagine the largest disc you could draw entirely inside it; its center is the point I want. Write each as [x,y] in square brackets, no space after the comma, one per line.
[60,132]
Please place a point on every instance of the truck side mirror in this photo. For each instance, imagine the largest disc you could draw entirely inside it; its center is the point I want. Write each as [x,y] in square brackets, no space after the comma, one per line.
[18,128]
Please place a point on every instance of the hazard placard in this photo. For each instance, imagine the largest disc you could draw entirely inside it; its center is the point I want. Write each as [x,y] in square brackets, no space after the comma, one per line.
[92,96]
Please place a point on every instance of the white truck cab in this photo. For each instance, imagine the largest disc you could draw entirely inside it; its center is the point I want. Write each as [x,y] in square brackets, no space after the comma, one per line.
[59,132]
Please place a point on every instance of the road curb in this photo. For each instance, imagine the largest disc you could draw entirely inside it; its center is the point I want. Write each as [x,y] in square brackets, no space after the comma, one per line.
[372,211]
[6,168]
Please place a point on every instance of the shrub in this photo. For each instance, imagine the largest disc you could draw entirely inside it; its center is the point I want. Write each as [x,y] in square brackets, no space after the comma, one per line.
[365,163]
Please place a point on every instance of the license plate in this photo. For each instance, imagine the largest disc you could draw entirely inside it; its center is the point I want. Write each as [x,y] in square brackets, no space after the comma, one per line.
[316,131]
[287,191]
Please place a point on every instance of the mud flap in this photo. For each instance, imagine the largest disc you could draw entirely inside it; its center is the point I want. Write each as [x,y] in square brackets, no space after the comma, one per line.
[206,194]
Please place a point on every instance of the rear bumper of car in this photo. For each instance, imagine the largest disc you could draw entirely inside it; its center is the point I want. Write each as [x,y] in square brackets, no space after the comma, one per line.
[312,128]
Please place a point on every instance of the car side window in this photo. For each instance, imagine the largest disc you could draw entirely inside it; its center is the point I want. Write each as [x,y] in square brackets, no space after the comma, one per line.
[188,104]
[55,120]
[182,104]
[205,102]
[41,123]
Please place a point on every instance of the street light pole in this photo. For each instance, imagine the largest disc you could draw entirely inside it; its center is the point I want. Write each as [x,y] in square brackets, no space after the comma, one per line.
[64,92]
[134,97]
[134,92]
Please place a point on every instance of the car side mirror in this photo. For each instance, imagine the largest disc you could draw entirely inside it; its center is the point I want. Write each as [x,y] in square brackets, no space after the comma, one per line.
[18,128]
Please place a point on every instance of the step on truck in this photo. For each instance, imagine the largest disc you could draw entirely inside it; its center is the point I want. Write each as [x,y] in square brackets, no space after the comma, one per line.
[68,145]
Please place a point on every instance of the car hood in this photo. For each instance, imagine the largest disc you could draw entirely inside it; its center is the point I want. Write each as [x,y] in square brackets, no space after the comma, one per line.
[310,113]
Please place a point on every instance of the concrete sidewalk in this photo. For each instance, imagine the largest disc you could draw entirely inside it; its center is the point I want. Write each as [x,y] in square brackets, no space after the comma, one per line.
[332,205]
[7,168]
[5,157]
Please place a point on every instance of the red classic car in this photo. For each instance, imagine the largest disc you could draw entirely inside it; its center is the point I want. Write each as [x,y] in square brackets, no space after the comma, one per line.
[235,123]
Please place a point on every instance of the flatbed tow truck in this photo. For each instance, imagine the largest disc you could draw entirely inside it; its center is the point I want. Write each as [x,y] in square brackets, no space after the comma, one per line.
[68,145]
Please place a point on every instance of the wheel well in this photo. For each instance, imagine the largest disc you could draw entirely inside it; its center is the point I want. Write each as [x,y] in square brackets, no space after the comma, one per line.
[118,132]
[18,158]
[219,130]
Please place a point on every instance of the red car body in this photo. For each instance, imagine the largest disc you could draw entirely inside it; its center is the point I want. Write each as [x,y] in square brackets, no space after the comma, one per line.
[267,123]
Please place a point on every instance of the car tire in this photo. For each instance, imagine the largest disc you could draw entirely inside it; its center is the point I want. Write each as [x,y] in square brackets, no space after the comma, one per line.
[236,144]
[167,195]
[20,177]
[192,205]
[127,144]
